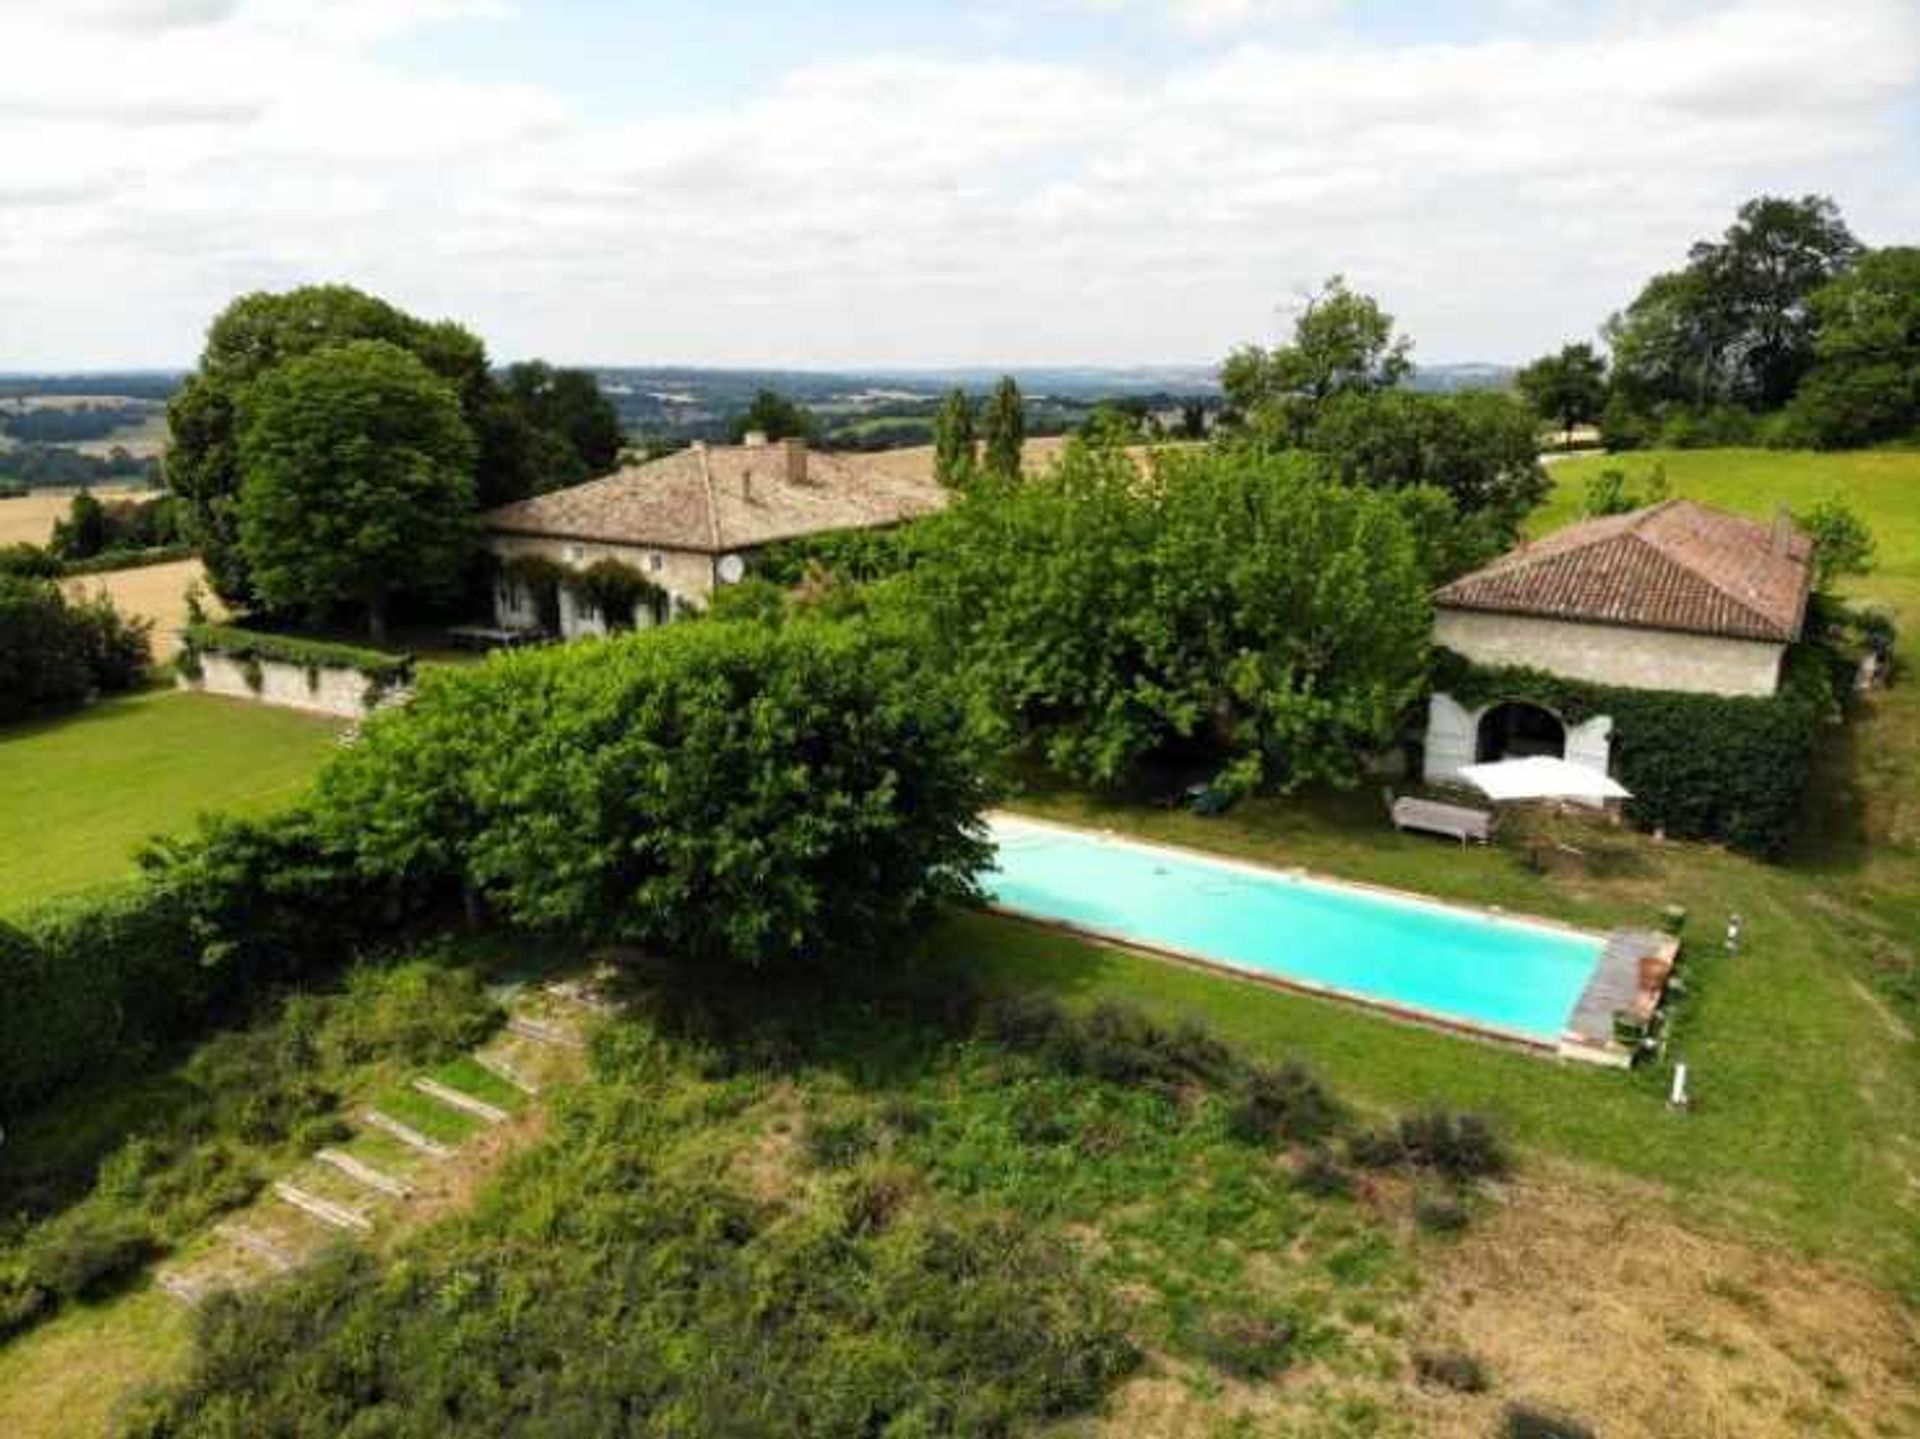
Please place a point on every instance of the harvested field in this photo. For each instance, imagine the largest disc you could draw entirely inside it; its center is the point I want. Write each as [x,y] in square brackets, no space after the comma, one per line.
[154,592]
[28,519]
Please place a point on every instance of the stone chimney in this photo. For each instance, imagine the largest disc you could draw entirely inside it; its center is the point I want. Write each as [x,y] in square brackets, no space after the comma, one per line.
[755,439]
[796,460]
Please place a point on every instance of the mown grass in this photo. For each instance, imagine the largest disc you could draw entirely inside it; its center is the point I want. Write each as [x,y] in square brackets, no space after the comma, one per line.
[81,793]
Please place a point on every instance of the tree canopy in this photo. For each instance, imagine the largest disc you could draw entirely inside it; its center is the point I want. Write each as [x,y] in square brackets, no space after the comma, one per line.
[1343,343]
[573,427]
[1569,388]
[1480,447]
[358,480]
[1734,326]
[1864,387]
[772,414]
[1233,605]
[517,448]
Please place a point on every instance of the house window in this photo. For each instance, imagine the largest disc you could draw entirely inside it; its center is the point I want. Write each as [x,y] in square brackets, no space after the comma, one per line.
[575,554]
[656,562]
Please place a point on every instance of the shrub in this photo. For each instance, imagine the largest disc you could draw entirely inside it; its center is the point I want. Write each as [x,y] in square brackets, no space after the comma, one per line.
[30,562]
[1321,1176]
[836,1141]
[1461,1147]
[251,647]
[1440,1214]
[1286,1104]
[55,652]
[728,794]
[1524,1421]
[1248,1346]
[1021,1020]
[1451,1369]
[1376,1149]
[85,1258]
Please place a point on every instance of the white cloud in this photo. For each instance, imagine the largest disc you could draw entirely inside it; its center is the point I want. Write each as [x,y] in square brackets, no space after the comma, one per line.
[1214,15]
[1499,195]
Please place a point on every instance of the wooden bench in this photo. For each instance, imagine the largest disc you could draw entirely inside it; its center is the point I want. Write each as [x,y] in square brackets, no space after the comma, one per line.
[1455,821]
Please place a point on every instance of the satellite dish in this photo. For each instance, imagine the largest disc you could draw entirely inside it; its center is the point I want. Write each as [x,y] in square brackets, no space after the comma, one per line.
[731,569]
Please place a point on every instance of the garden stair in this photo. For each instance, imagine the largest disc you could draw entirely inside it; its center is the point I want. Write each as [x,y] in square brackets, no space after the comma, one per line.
[338,1194]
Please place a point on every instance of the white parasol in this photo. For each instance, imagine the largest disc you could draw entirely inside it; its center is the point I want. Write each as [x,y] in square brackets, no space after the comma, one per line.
[1542,777]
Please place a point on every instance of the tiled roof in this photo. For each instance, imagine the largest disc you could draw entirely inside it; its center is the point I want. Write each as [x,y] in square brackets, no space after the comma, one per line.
[731,497]
[1672,566]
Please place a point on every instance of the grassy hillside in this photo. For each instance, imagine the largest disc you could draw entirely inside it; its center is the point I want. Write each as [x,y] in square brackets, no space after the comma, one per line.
[82,792]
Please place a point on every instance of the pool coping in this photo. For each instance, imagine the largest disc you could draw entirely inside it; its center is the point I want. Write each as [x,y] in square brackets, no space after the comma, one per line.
[1528,1040]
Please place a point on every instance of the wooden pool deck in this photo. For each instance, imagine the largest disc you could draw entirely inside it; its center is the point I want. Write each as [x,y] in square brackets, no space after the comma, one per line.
[1631,977]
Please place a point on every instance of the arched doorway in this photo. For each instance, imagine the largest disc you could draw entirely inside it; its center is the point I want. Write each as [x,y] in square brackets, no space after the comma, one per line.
[1518,730]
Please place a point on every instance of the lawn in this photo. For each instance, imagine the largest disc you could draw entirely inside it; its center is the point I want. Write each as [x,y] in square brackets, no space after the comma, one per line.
[82,792]
[1807,1119]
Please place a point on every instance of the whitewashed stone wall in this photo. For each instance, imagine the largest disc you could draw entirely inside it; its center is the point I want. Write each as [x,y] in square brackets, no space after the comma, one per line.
[1453,739]
[338,692]
[686,576]
[1613,654]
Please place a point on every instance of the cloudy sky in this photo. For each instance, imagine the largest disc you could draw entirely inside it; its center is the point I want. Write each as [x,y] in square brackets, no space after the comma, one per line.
[887,182]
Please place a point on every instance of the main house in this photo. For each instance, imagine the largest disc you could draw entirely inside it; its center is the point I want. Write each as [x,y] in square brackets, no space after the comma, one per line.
[690,522]
[1674,597]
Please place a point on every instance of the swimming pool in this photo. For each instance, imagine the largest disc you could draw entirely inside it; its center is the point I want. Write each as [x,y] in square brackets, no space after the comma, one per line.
[1511,977]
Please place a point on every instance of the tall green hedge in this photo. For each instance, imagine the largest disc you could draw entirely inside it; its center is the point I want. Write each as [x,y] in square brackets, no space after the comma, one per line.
[214,919]
[1713,767]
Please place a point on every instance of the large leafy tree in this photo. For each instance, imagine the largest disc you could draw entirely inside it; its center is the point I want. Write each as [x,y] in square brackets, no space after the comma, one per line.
[1734,326]
[1568,388]
[725,793]
[258,333]
[1864,387]
[574,427]
[1004,431]
[1343,343]
[358,480]
[1479,447]
[1235,603]
[954,458]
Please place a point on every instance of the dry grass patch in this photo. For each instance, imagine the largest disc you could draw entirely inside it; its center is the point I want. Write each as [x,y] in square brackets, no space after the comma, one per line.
[28,519]
[152,592]
[1589,1301]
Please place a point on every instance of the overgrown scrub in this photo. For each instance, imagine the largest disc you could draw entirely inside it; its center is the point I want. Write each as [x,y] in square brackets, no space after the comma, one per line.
[726,793]
[55,652]
[241,1105]
[612,1284]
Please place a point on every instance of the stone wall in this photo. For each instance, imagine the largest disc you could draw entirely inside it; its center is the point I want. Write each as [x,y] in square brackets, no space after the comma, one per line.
[338,692]
[686,576]
[1613,654]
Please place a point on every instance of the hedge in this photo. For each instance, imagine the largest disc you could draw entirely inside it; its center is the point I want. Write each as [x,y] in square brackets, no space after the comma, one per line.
[245,644]
[129,559]
[214,919]
[1716,767]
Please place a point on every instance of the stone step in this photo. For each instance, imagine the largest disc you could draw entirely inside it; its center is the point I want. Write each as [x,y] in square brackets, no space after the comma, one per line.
[495,1064]
[275,1254]
[541,1032]
[324,1210]
[361,1172]
[406,1134]
[447,1095]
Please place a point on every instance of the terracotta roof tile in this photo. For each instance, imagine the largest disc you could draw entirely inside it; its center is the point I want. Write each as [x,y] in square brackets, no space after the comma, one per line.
[730,497]
[1673,566]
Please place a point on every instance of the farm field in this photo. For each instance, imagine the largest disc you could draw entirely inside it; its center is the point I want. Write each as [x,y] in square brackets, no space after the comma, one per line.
[79,794]
[28,519]
[153,592]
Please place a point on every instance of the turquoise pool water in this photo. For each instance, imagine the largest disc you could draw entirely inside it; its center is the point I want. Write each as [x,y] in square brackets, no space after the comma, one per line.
[1486,971]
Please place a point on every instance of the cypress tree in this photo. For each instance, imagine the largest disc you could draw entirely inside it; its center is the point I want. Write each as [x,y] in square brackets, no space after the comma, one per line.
[1006,430]
[953,456]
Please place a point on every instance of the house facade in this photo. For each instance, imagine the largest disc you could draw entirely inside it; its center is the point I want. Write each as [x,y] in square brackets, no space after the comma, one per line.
[1675,597]
[690,523]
